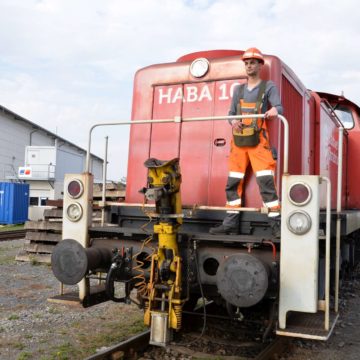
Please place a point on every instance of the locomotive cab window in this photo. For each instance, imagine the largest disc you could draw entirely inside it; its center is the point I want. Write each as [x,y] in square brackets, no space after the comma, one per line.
[345,116]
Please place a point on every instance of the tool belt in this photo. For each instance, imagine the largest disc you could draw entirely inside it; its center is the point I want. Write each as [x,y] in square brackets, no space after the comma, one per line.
[249,135]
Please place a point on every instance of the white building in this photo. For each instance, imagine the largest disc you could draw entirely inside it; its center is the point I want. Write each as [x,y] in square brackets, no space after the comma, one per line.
[34,155]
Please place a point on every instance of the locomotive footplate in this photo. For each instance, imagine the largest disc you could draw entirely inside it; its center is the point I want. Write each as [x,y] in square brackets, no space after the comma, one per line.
[118,231]
[205,237]
[255,223]
[308,326]
[350,221]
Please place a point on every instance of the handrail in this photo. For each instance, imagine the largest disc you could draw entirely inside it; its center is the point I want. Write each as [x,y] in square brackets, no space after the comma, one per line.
[338,220]
[178,119]
[327,253]
[333,113]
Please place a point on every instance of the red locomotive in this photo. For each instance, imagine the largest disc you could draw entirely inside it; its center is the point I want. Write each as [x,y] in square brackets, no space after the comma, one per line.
[162,247]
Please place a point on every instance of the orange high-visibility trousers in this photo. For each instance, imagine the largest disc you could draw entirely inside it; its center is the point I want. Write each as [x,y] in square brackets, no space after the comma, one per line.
[263,165]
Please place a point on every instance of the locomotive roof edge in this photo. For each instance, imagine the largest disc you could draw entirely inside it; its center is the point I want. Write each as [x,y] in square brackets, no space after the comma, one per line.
[339,99]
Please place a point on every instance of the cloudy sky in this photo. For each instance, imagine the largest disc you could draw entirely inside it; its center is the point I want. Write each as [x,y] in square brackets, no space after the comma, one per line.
[68,64]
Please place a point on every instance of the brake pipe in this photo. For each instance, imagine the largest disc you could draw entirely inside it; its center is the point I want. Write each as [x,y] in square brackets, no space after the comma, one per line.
[268,242]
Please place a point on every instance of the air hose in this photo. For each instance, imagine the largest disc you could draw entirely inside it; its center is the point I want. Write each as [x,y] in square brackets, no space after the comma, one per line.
[109,284]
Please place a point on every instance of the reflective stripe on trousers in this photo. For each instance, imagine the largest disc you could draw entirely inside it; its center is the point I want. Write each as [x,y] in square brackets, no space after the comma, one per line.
[233,185]
[263,165]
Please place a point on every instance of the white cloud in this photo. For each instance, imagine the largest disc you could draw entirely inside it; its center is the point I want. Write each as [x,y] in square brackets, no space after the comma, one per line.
[67,64]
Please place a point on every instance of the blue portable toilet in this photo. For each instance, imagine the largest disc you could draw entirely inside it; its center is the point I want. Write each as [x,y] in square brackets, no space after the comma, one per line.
[14,203]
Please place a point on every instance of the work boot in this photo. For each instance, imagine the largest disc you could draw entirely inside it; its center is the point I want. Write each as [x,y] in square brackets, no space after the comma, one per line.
[222,230]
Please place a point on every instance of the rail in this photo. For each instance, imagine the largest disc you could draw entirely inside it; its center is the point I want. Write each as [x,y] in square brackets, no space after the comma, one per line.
[140,343]
[178,119]
[12,234]
[125,348]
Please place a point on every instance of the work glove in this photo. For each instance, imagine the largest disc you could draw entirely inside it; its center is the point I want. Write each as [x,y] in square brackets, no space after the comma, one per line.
[237,125]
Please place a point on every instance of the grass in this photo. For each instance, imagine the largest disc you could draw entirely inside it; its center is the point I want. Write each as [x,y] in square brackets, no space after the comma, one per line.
[7,260]
[65,351]
[19,345]
[34,261]
[113,333]
[7,252]
[14,317]
[24,356]
[107,333]
[77,342]
[54,310]
[78,339]
[11,227]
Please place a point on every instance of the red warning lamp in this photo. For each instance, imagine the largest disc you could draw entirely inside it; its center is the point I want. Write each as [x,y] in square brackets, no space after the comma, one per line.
[75,188]
[300,194]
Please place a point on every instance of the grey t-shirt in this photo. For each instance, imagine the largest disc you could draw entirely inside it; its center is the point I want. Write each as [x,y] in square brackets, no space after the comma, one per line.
[271,97]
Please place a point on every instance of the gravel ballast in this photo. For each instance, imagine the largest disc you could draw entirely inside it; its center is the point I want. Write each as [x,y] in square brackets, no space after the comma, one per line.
[33,328]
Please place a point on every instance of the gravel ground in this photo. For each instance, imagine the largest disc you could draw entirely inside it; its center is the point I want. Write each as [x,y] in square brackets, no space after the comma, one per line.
[33,328]
[345,340]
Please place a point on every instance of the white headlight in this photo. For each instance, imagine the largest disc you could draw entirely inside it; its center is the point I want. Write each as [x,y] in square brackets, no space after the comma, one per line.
[74,212]
[299,222]
[199,67]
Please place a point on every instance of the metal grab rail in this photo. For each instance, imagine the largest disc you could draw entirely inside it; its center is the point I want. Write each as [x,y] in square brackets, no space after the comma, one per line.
[178,119]
[327,252]
[338,220]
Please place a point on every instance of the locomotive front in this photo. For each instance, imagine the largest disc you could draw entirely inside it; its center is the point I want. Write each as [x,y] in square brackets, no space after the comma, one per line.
[157,244]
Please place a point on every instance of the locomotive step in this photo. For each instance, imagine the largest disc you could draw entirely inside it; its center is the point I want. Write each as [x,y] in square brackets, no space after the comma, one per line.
[308,326]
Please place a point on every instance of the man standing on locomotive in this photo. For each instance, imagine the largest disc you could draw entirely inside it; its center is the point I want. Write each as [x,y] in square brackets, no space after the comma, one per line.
[251,141]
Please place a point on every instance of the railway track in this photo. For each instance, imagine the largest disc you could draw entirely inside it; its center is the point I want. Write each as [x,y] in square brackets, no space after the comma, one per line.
[12,234]
[135,346]
[125,349]
[223,339]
